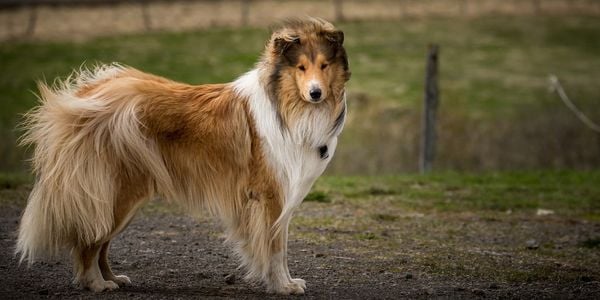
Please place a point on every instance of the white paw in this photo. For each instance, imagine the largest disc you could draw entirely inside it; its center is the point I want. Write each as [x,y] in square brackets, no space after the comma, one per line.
[300,282]
[290,288]
[98,286]
[121,280]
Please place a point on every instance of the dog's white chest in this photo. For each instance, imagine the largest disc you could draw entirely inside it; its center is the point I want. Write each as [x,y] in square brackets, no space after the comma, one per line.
[298,154]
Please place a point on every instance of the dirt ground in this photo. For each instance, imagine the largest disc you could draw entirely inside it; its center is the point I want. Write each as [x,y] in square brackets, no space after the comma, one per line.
[169,255]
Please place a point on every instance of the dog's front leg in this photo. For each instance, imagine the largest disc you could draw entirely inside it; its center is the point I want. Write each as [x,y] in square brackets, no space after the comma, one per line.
[260,238]
[280,280]
[297,281]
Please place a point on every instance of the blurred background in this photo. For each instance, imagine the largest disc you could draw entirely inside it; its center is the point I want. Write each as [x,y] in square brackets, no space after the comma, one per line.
[512,209]
[496,109]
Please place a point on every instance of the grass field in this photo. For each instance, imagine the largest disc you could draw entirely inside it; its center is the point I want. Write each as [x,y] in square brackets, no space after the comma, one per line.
[496,109]
[509,234]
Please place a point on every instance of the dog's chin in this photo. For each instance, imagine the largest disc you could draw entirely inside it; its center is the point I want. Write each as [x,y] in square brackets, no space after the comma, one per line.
[311,101]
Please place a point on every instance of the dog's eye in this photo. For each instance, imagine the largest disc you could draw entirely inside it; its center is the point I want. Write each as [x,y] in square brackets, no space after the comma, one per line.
[302,68]
[323,66]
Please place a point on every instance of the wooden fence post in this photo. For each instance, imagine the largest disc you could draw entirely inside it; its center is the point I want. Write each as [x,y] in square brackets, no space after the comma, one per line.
[338,10]
[32,21]
[537,8]
[245,12]
[463,8]
[428,134]
[146,15]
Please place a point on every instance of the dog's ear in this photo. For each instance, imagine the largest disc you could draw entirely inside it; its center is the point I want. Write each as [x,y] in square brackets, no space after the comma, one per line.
[281,45]
[335,37]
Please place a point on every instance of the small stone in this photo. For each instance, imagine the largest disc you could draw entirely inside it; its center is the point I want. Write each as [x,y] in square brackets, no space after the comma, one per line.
[230,279]
[544,212]
[532,245]
[478,292]
[319,255]
[408,276]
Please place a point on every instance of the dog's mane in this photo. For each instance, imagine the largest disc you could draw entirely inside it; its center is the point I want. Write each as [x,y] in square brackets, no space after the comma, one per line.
[285,36]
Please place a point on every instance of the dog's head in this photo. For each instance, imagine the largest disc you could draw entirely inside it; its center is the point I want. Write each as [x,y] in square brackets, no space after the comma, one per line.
[308,59]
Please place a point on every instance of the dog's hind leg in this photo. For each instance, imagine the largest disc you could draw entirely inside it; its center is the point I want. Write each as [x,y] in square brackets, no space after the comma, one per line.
[87,271]
[105,269]
[133,194]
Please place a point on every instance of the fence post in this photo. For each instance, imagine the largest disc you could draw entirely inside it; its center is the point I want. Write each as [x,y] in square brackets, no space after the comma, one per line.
[146,15]
[245,12]
[338,10]
[537,8]
[32,21]
[428,134]
[463,8]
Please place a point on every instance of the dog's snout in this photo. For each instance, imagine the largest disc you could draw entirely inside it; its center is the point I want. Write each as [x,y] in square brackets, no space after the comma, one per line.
[315,94]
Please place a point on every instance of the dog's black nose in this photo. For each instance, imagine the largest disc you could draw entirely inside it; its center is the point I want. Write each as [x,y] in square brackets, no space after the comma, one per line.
[315,94]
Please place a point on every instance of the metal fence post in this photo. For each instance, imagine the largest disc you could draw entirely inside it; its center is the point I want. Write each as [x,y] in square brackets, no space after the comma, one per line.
[428,134]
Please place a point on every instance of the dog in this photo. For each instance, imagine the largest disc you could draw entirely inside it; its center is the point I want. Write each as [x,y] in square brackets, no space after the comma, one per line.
[106,140]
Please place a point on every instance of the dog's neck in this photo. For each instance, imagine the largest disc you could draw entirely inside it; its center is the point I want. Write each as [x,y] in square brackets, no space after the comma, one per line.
[313,126]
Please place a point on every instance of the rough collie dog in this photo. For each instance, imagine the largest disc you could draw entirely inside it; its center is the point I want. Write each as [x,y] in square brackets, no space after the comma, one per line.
[248,151]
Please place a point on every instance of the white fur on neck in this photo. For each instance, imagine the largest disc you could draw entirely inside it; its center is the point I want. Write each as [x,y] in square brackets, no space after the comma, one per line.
[292,152]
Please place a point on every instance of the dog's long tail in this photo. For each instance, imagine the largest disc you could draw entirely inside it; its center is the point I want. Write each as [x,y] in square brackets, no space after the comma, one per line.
[81,141]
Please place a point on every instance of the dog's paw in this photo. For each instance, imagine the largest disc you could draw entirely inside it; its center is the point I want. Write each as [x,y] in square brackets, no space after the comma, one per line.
[98,286]
[300,282]
[121,280]
[295,287]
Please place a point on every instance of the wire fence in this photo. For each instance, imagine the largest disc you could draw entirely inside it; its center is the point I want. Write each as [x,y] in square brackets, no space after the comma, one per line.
[74,19]
[556,86]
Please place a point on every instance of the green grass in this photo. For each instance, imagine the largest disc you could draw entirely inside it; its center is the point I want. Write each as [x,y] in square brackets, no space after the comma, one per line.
[14,180]
[568,193]
[317,196]
[493,69]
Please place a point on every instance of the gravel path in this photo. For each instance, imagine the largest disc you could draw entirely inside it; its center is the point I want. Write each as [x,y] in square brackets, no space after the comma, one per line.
[176,257]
